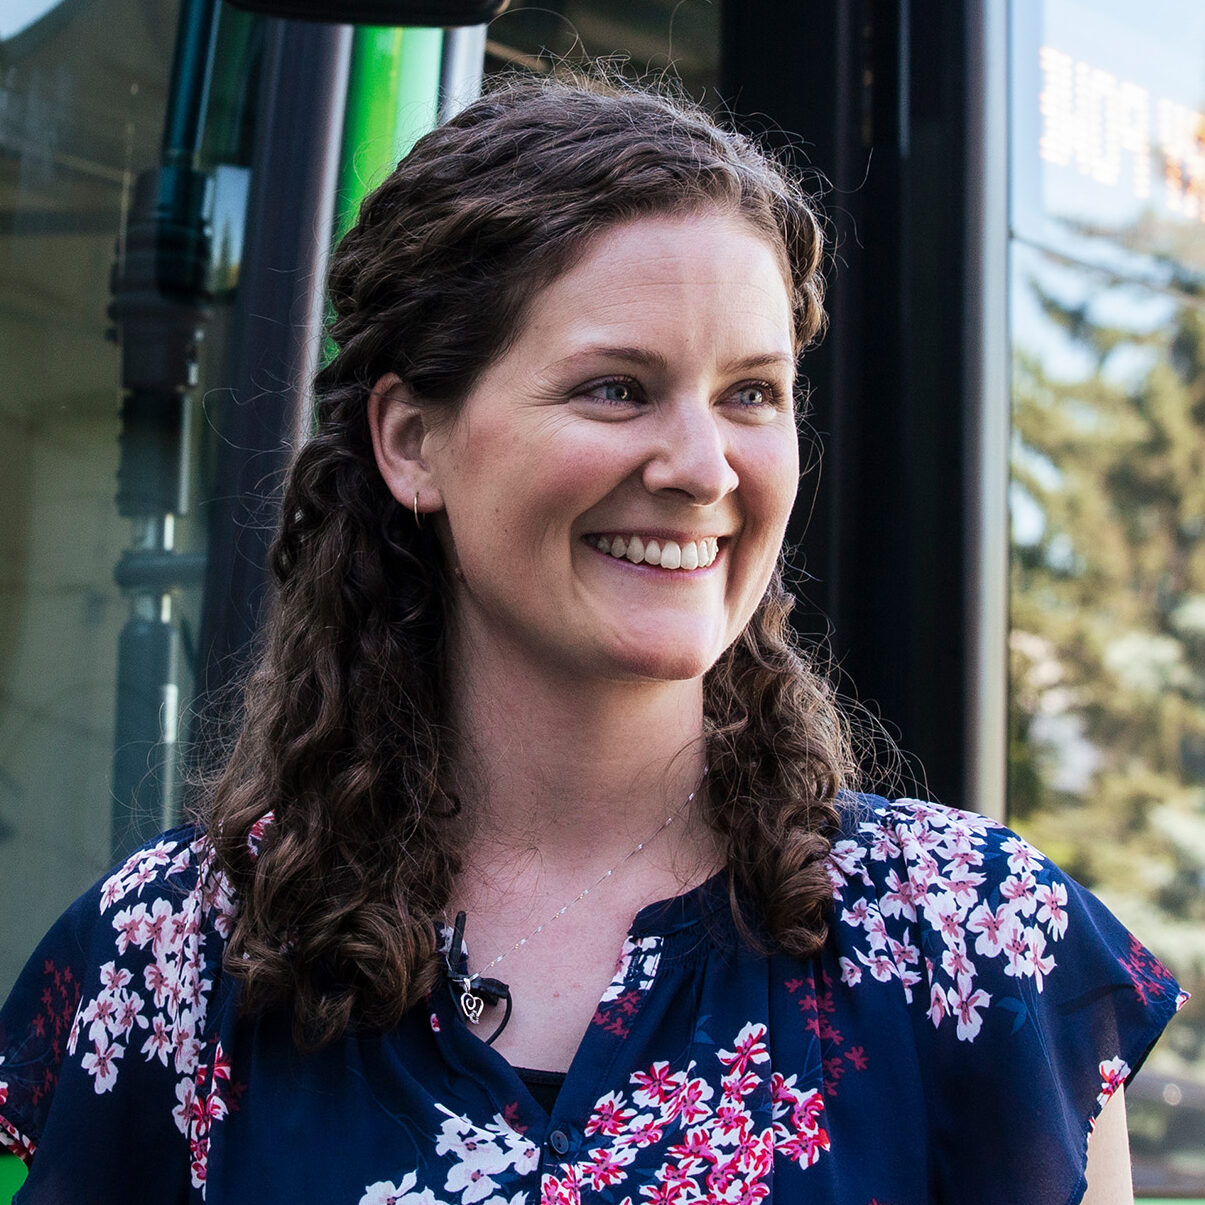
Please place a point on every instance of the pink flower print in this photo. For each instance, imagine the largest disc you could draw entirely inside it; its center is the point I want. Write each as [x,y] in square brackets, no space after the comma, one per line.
[751,1193]
[1113,1074]
[142,876]
[187,1050]
[962,855]
[731,1121]
[562,1190]
[945,914]
[689,1104]
[664,1192]
[851,975]
[695,1150]
[129,1014]
[880,966]
[857,1057]
[159,1041]
[609,1116]
[960,968]
[858,914]
[1040,963]
[876,930]
[899,898]
[735,1088]
[1052,900]
[883,846]
[846,858]
[128,923]
[99,1016]
[1021,855]
[112,978]
[645,1130]
[1021,892]
[783,1095]
[111,893]
[966,1008]
[655,1086]
[1016,949]
[965,886]
[165,929]
[904,953]
[994,928]
[750,1048]
[100,1063]
[158,982]
[606,1166]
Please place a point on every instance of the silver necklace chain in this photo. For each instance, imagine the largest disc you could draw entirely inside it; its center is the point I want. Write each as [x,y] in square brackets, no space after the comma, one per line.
[471,1002]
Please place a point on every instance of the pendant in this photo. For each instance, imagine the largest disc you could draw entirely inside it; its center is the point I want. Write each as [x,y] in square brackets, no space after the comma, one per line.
[471,1004]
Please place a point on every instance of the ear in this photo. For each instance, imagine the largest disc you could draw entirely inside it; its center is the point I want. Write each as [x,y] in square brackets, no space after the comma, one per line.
[399,430]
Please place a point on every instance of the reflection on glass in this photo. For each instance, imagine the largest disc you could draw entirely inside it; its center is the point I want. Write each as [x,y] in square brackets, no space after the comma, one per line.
[1107,740]
[1107,642]
[642,36]
[99,465]
[1109,133]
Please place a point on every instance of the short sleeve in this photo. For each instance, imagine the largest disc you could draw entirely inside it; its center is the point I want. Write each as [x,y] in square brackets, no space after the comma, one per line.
[1031,1003]
[103,1040]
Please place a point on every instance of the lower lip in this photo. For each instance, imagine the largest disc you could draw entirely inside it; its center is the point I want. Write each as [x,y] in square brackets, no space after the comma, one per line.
[667,574]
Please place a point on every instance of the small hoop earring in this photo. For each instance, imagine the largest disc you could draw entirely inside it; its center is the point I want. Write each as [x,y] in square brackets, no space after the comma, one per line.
[418,519]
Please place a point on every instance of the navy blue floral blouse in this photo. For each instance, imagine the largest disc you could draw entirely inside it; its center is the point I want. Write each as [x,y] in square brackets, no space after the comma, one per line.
[954,1042]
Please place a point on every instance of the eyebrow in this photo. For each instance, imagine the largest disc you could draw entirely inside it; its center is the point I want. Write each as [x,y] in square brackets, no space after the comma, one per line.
[653,359]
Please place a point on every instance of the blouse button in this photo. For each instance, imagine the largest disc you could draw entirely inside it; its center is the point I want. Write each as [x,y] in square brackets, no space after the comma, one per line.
[559,1141]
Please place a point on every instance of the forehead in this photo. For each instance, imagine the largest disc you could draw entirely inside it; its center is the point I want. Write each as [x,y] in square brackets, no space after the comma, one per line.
[644,274]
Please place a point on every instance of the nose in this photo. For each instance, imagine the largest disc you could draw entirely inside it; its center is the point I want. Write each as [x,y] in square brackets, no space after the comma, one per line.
[692,456]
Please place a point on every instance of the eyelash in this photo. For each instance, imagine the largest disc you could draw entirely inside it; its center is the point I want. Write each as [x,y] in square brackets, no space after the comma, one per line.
[773,395]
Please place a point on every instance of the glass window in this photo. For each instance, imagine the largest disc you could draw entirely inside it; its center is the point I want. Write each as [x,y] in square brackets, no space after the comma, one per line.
[642,36]
[1107,496]
[108,436]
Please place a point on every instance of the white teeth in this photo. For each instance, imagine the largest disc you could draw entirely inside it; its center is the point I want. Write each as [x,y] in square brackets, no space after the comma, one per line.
[668,554]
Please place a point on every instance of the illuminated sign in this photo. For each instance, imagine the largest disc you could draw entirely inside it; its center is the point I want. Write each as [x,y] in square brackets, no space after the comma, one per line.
[1105,128]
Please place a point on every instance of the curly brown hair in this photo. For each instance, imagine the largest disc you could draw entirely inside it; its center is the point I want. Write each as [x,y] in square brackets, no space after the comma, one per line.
[346,734]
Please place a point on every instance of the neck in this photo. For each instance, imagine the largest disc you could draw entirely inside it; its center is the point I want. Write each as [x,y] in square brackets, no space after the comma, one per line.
[575,772]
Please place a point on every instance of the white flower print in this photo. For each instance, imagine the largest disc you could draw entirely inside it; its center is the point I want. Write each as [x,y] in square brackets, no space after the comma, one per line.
[481,1152]
[636,969]
[101,1063]
[160,951]
[1013,918]
[1052,904]
[383,1193]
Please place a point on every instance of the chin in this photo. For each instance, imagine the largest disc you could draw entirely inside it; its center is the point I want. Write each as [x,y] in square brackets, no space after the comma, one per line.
[669,665]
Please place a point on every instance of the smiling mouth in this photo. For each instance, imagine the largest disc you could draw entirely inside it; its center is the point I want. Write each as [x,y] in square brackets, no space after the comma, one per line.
[668,554]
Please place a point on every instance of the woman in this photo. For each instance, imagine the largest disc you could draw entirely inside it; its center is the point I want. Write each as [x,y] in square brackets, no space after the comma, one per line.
[529,701]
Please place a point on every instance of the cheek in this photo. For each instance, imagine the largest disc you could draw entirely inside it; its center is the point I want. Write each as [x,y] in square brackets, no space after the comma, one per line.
[772,483]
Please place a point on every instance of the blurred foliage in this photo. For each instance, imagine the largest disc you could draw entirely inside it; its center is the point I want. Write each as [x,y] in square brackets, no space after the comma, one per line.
[1107,648]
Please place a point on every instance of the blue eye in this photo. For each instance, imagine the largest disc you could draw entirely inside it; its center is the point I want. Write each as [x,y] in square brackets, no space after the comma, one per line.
[755,395]
[618,392]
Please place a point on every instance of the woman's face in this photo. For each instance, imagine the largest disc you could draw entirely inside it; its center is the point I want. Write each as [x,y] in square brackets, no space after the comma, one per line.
[646,405]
